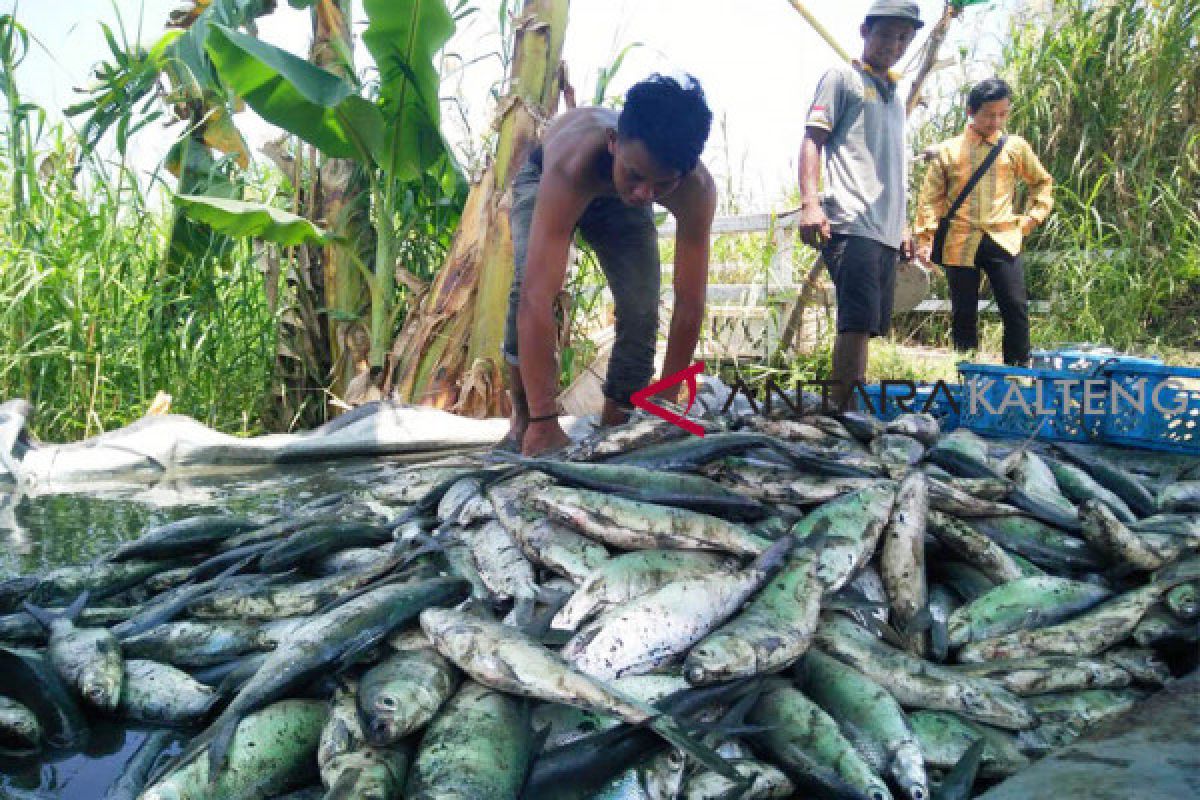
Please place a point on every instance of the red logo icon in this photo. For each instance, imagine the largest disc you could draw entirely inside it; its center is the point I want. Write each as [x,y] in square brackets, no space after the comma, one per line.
[642,400]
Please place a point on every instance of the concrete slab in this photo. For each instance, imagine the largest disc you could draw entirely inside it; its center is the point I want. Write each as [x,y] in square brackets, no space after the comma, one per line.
[1151,753]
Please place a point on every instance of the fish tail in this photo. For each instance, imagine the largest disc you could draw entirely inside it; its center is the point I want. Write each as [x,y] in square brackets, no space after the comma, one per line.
[669,729]
[46,618]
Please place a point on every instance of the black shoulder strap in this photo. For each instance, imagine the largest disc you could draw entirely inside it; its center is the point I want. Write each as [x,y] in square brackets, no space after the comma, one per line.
[979,173]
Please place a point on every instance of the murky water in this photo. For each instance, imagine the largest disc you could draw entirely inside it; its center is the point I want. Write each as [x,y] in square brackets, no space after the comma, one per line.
[41,532]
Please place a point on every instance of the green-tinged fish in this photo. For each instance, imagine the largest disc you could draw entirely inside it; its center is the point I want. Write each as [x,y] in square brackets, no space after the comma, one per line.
[917,683]
[479,746]
[341,734]
[807,743]
[845,462]
[19,727]
[333,640]
[871,719]
[845,532]
[1046,546]
[922,427]
[1032,475]
[1185,525]
[639,432]
[1022,604]
[981,488]
[349,560]
[1180,497]
[949,497]
[270,752]
[550,544]
[1109,535]
[312,543]
[411,485]
[1088,634]
[964,454]
[631,575]
[782,484]
[500,563]
[1044,674]
[1084,709]
[371,773]
[171,579]
[945,737]
[790,430]
[1079,486]
[134,775]
[184,537]
[977,549]
[897,450]
[771,632]
[1117,480]
[29,678]
[196,644]
[400,694]
[766,782]
[506,659]
[964,580]
[99,580]
[161,694]
[275,600]
[902,556]
[694,452]
[632,525]
[88,659]
[651,486]
[21,627]
[658,627]
[1184,600]
[1143,664]
[1159,625]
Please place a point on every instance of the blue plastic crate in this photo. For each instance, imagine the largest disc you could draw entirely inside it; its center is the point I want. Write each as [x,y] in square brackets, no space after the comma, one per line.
[1153,406]
[942,408]
[1056,404]
[1085,358]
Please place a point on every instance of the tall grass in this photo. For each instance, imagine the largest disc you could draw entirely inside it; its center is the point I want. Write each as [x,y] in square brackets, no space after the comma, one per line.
[83,300]
[1108,94]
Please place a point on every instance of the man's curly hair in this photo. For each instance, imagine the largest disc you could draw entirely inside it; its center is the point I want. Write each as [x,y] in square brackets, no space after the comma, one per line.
[671,119]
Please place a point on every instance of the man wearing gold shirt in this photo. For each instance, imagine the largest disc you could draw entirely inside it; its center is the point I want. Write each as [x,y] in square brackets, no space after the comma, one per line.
[985,232]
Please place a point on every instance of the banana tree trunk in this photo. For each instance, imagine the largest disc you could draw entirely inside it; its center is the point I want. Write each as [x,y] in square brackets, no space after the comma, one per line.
[342,201]
[448,354]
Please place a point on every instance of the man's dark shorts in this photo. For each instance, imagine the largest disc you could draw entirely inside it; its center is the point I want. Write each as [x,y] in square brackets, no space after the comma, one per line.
[625,241]
[864,275]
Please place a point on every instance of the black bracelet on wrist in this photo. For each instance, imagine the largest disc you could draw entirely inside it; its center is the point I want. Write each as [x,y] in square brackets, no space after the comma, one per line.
[544,417]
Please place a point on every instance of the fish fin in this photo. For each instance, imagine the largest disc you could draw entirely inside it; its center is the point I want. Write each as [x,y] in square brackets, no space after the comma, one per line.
[46,618]
[960,779]
[669,729]
[218,748]
[537,745]
[774,557]
[555,637]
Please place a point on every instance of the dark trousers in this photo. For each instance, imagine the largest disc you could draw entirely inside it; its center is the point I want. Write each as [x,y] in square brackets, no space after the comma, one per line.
[1006,275]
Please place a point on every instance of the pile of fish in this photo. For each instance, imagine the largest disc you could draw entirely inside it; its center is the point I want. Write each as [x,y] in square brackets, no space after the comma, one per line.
[822,606]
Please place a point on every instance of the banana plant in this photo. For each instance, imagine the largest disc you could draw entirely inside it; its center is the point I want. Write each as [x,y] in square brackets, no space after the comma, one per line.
[394,135]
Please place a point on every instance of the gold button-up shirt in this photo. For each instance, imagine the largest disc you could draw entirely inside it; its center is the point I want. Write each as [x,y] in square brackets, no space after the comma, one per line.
[991,207]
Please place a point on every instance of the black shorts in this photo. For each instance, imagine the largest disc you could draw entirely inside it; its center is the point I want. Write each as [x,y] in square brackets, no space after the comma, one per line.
[864,275]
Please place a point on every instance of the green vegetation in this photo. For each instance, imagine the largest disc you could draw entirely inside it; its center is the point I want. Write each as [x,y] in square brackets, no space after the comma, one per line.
[1109,96]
